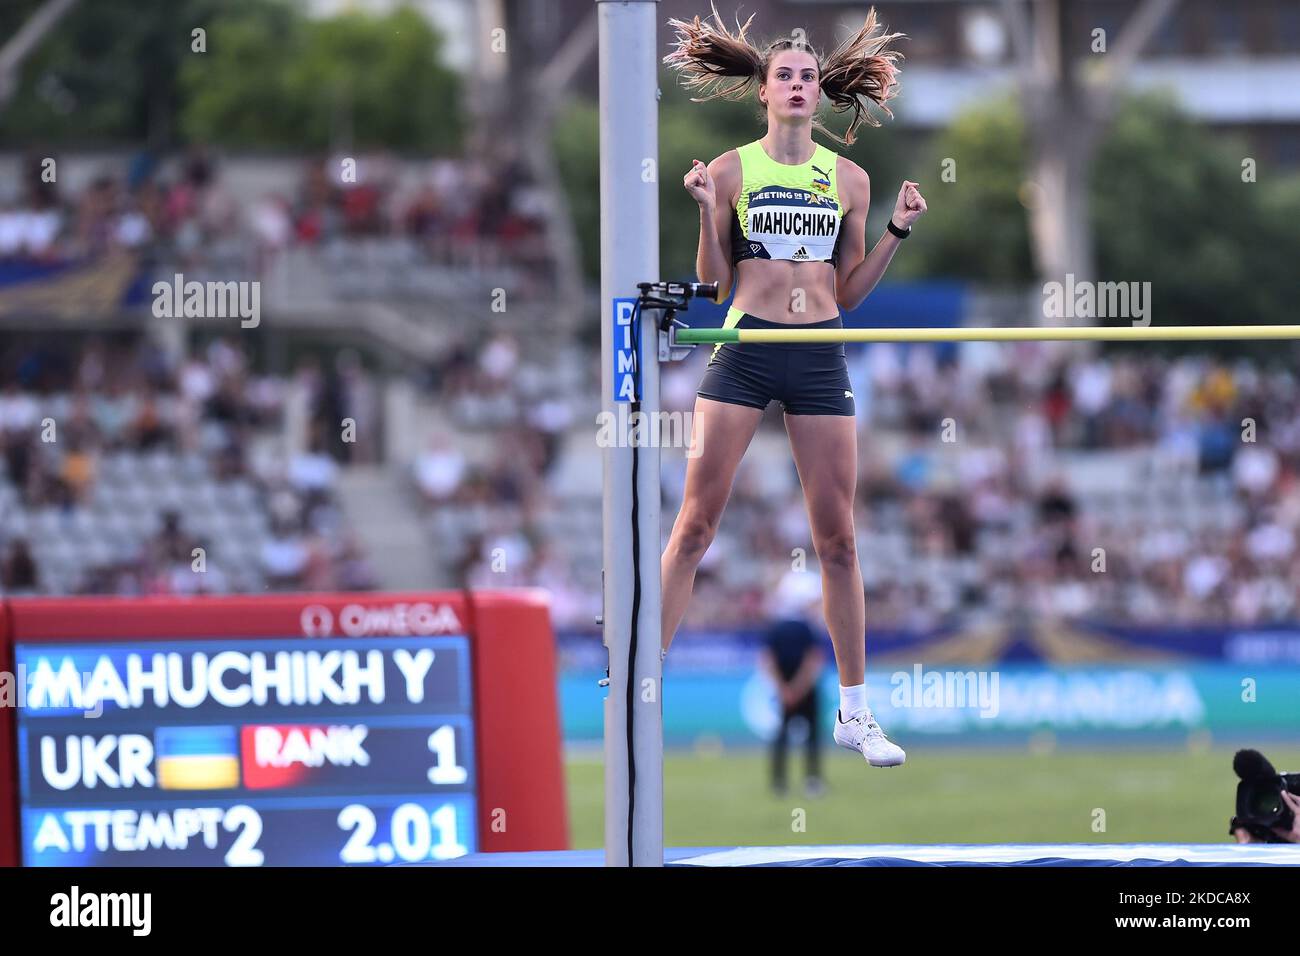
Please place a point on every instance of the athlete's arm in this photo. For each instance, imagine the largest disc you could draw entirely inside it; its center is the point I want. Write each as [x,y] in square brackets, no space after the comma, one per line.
[713,262]
[857,274]
[855,193]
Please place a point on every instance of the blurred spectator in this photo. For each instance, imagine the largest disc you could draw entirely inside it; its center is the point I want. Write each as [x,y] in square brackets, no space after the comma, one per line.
[77,472]
[147,429]
[440,469]
[18,572]
[312,473]
[170,545]
[284,557]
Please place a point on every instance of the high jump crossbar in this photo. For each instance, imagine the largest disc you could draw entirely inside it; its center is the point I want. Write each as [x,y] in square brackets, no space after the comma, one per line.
[1136,333]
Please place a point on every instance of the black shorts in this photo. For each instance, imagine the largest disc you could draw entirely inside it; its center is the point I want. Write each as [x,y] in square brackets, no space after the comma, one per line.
[807,378]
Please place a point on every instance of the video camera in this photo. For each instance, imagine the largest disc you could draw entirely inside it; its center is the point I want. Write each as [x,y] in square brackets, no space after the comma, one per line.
[1260,806]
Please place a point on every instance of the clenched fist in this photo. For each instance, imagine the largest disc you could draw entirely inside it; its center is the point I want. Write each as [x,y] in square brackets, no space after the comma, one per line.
[909,206]
[699,184]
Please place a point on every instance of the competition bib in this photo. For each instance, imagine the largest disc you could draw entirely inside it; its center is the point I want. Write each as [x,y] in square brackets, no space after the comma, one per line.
[794,224]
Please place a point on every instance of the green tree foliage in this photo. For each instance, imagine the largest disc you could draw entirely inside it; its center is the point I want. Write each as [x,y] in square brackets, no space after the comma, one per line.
[972,179]
[271,79]
[107,72]
[1168,207]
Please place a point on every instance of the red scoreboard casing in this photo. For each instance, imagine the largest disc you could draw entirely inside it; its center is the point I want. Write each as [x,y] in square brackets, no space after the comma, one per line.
[520,796]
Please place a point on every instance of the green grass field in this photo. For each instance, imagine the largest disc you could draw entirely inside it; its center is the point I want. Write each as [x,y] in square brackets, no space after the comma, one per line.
[939,796]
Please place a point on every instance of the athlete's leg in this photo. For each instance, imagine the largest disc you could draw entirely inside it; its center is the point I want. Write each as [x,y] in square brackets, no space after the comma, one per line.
[825,451]
[720,433]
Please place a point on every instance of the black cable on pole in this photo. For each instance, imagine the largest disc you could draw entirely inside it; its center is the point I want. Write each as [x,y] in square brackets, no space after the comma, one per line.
[636,585]
[668,296]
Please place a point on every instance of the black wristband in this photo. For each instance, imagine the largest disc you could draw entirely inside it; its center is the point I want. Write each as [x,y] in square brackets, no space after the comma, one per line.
[900,233]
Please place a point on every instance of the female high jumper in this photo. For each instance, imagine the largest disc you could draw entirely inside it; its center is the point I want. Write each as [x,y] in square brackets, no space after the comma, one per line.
[774,214]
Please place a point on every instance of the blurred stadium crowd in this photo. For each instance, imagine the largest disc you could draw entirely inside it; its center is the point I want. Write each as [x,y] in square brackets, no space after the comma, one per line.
[1130,485]
[185,212]
[119,463]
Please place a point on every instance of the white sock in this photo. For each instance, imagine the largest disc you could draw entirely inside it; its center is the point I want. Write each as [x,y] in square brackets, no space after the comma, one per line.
[853,701]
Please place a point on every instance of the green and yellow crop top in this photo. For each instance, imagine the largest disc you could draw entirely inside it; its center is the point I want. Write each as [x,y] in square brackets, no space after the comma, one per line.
[786,212]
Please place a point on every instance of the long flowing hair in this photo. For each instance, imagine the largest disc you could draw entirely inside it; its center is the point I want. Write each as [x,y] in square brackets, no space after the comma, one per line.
[715,62]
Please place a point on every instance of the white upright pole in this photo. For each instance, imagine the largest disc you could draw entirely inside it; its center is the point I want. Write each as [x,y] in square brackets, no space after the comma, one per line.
[629,253]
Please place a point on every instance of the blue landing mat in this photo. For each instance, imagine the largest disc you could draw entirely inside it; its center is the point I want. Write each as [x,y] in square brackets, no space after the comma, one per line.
[1015,854]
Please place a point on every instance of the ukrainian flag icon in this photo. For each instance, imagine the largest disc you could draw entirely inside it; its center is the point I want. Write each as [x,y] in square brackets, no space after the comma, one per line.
[197,758]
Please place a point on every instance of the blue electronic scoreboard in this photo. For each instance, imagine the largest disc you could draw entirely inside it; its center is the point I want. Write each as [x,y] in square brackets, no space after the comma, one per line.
[250,752]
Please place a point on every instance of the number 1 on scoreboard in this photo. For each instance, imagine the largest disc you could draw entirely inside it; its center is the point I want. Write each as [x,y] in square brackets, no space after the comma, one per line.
[445,771]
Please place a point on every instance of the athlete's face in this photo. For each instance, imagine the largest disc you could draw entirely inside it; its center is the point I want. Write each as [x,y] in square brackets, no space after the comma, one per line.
[792,88]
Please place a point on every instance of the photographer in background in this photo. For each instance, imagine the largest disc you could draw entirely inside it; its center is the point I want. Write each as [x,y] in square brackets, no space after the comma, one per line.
[793,658]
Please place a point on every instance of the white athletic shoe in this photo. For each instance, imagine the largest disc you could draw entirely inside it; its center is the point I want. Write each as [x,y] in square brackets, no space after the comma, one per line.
[863,734]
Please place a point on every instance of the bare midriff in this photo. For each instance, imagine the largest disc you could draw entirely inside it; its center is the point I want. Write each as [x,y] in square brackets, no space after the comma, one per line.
[798,293]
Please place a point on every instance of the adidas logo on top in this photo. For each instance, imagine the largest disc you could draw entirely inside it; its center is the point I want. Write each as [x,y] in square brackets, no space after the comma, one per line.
[802,253]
